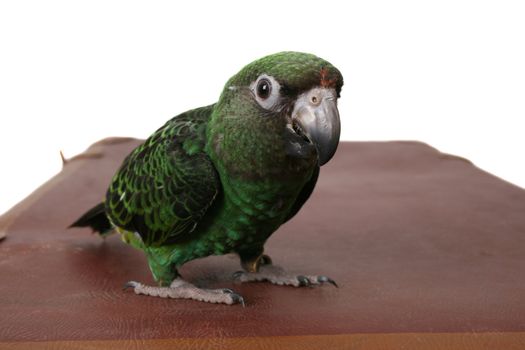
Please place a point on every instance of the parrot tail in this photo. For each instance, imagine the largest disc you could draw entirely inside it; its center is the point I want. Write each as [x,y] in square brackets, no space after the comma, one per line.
[96,219]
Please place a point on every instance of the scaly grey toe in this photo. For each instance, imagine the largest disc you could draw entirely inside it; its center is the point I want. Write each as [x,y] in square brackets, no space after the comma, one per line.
[276,275]
[180,289]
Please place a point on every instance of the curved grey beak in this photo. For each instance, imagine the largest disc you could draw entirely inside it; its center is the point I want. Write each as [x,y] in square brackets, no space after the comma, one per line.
[315,115]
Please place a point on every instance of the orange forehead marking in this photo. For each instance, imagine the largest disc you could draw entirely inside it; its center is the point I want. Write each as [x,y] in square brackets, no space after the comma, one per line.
[325,82]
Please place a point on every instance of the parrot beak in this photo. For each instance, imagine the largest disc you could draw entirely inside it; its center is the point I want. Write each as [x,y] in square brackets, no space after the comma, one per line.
[316,117]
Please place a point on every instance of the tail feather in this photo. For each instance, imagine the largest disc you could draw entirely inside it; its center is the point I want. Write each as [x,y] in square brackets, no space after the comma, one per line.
[96,219]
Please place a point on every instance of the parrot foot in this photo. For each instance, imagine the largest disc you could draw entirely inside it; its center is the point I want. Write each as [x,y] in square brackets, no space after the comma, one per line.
[276,275]
[180,289]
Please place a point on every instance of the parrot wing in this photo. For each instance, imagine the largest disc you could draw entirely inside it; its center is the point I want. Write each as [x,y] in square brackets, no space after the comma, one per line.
[166,185]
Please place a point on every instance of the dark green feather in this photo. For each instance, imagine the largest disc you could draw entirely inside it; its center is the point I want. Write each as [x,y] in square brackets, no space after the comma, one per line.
[165,185]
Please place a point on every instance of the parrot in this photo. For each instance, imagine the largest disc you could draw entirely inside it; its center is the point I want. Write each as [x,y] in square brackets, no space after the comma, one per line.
[221,179]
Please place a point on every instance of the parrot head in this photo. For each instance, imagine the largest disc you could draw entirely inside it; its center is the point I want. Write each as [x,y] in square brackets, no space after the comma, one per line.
[286,102]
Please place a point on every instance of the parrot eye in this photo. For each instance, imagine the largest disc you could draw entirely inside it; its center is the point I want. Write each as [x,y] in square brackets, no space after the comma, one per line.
[264,88]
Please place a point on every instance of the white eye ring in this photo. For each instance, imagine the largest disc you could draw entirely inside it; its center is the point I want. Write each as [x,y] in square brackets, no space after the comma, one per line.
[266,95]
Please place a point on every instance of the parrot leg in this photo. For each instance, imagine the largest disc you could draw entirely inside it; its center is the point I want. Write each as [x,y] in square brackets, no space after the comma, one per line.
[173,286]
[261,269]
[180,289]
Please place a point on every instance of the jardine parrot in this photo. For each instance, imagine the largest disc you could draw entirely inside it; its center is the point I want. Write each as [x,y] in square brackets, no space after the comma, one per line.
[222,178]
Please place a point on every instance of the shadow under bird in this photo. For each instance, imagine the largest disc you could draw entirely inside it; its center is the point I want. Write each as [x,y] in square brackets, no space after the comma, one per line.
[222,178]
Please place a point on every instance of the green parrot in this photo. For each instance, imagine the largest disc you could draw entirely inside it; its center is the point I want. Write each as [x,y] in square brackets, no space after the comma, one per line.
[222,178]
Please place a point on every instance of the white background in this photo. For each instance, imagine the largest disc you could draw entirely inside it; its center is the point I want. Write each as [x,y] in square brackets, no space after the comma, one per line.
[449,73]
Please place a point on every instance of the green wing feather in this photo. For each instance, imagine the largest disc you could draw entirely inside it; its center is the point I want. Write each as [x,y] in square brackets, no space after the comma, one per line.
[165,185]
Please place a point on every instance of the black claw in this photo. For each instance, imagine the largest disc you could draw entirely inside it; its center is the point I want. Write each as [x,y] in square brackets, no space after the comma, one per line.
[237,274]
[130,284]
[266,260]
[333,282]
[325,279]
[228,291]
[303,281]
[237,299]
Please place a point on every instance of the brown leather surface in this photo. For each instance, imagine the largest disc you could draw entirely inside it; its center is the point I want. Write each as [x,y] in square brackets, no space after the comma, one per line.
[370,341]
[419,242]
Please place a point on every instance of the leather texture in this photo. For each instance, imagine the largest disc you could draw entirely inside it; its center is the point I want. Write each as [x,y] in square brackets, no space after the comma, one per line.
[428,251]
